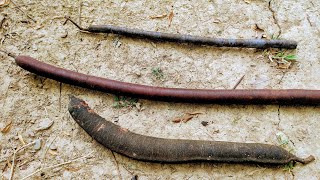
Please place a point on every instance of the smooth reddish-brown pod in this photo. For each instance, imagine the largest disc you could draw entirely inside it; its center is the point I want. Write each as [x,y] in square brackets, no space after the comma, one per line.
[154,149]
[243,96]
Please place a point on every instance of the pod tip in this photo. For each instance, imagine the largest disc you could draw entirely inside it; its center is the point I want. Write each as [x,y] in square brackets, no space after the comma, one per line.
[74,23]
[307,160]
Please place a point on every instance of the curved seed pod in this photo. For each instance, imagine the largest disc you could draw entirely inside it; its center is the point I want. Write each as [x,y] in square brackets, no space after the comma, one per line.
[154,149]
[183,38]
[244,96]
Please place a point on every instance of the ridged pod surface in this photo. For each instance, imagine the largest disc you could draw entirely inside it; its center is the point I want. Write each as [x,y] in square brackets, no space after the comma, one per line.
[154,149]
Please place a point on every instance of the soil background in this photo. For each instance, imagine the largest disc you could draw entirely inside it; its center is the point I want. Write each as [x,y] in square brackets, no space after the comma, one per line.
[33,103]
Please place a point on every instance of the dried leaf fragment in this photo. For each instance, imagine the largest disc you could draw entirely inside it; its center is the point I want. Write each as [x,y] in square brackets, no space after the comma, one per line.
[159,16]
[7,127]
[187,117]
[284,64]
[21,139]
[53,152]
[72,169]
[184,119]
[195,113]
[270,58]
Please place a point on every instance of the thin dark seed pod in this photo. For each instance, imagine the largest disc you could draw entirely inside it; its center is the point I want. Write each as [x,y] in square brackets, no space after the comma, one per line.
[219,42]
[146,148]
[232,96]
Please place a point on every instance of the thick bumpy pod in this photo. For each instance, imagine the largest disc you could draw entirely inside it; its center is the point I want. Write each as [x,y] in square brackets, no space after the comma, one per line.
[146,148]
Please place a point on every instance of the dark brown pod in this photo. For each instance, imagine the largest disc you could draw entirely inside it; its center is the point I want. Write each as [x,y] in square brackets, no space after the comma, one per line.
[146,148]
[231,96]
[183,38]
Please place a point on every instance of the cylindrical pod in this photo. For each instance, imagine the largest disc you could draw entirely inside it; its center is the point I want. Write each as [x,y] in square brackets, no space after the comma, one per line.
[218,42]
[184,38]
[154,149]
[232,96]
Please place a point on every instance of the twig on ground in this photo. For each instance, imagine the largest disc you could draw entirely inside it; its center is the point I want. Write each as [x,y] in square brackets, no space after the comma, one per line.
[57,165]
[79,11]
[47,147]
[14,157]
[284,73]
[275,18]
[118,169]
[239,81]
[23,11]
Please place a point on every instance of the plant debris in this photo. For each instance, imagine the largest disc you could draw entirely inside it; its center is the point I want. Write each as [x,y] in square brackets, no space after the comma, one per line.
[258,28]
[170,17]
[7,127]
[238,82]
[282,59]
[282,138]
[157,73]
[57,165]
[72,169]
[124,101]
[289,166]
[187,117]
[21,139]
[159,16]
[53,152]
[284,64]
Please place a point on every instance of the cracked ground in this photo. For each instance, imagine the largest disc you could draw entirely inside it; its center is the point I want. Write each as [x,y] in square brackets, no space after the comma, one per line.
[38,29]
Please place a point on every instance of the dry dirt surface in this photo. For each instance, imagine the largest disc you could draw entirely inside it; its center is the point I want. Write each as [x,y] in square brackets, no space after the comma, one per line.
[34,109]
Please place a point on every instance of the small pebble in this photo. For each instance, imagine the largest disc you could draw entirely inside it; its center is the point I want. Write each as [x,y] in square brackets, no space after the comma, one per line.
[44,124]
[37,145]
[53,147]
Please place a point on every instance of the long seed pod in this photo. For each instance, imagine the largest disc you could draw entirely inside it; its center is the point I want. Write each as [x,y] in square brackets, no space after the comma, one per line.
[219,42]
[146,148]
[232,96]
